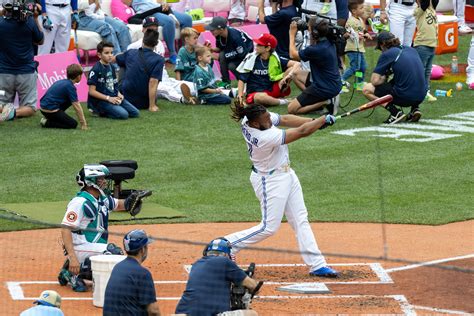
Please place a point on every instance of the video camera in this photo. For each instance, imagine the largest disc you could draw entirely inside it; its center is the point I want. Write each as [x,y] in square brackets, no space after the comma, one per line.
[20,9]
[335,31]
[240,296]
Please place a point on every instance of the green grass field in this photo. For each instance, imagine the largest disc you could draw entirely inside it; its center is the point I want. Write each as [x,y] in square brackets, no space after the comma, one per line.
[195,160]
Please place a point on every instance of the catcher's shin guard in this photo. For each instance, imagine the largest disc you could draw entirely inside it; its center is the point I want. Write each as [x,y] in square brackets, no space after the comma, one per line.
[64,275]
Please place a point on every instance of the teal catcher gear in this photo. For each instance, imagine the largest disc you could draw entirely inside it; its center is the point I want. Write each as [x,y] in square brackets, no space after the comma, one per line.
[89,175]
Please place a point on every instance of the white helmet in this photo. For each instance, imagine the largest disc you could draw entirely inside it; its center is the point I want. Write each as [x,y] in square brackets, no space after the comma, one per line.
[89,175]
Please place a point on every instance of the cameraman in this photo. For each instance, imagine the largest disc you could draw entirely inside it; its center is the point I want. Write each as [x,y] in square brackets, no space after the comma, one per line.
[279,22]
[408,84]
[324,81]
[208,289]
[20,32]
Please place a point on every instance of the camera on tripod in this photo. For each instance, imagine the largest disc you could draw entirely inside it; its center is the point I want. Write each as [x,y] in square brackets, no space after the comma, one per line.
[20,9]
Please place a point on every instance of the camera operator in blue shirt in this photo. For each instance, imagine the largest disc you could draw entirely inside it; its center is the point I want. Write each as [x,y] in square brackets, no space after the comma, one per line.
[20,32]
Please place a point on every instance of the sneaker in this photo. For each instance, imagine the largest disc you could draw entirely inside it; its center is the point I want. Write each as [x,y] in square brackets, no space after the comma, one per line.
[464,29]
[172,59]
[333,105]
[430,98]
[188,98]
[78,284]
[326,8]
[93,112]
[414,116]
[395,119]
[344,89]
[8,112]
[325,272]
[43,121]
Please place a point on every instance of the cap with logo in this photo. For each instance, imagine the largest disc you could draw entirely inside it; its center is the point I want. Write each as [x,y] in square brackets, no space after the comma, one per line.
[217,23]
[383,37]
[49,298]
[150,21]
[266,40]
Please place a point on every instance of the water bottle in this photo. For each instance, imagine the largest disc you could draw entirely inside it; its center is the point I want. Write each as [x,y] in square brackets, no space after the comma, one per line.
[454,65]
[444,93]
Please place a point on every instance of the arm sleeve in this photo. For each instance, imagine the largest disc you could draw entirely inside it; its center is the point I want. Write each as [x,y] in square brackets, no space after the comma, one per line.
[274,137]
[234,273]
[147,293]
[93,77]
[74,5]
[72,94]
[180,61]
[157,70]
[274,69]
[275,118]
[74,213]
[384,63]
[305,54]
[273,19]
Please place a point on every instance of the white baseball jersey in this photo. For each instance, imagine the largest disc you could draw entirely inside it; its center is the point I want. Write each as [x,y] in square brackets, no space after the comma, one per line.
[86,212]
[267,148]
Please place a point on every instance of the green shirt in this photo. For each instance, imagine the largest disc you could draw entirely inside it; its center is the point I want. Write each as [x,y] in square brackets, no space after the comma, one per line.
[185,63]
[203,79]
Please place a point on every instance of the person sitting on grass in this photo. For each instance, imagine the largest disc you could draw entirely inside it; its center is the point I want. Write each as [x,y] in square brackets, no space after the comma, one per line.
[205,81]
[59,97]
[262,73]
[104,97]
[186,61]
[143,72]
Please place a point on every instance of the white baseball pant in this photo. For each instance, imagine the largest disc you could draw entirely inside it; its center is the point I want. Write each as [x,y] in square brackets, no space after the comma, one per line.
[60,35]
[86,250]
[459,6]
[402,22]
[470,64]
[280,194]
[170,89]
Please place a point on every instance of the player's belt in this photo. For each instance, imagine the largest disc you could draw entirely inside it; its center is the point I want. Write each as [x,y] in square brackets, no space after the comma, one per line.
[284,168]
[59,5]
[407,3]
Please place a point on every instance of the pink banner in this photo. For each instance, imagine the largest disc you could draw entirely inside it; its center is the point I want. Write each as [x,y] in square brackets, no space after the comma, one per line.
[52,68]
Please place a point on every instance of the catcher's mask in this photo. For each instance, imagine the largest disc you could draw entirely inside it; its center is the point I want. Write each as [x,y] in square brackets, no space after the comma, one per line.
[135,240]
[96,176]
[216,246]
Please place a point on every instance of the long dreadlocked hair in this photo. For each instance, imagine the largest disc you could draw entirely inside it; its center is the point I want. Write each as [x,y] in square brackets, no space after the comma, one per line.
[251,111]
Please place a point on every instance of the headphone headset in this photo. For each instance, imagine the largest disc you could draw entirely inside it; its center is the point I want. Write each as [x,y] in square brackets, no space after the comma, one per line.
[314,29]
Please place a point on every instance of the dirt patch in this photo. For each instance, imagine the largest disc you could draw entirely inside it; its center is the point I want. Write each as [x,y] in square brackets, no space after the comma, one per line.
[35,256]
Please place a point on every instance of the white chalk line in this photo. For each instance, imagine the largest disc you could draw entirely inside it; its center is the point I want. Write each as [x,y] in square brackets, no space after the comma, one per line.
[428,263]
[440,310]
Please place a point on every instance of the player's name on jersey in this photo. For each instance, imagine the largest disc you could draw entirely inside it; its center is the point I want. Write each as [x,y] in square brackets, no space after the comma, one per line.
[426,130]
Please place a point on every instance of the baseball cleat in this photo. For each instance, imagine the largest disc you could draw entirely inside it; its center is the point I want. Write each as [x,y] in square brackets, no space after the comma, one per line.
[395,119]
[78,284]
[325,272]
[414,116]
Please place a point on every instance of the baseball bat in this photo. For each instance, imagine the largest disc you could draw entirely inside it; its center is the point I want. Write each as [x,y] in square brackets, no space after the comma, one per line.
[369,105]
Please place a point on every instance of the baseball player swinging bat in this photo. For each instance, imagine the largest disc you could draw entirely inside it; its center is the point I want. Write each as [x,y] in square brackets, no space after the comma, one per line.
[369,105]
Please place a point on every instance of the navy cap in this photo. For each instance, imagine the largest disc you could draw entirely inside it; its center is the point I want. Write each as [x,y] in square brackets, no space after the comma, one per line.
[383,37]
[217,23]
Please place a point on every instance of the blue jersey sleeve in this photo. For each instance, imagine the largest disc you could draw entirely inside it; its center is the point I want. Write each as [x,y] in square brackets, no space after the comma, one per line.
[309,53]
[146,293]
[385,61]
[72,93]
[121,58]
[38,35]
[233,273]
[157,70]
[94,75]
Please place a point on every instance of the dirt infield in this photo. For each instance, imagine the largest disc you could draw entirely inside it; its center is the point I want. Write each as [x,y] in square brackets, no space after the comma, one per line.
[31,260]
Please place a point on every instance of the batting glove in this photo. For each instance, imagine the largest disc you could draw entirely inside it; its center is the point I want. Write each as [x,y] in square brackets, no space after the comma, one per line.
[47,24]
[75,19]
[328,121]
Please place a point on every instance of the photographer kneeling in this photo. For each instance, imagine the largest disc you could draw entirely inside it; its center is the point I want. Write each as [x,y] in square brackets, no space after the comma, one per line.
[325,81]
[208,291]
[408,84]
[20,32]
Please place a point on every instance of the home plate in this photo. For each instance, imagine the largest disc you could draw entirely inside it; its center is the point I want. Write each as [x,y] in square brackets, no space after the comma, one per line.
[306,288]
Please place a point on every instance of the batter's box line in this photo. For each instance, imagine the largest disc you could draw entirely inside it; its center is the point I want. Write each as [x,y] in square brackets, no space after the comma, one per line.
[382,275]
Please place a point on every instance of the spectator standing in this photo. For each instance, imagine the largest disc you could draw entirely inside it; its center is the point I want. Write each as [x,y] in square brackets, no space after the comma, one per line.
[459,7]
[426,38]
[262,74]
[470,66]
[231,44]
[59,97]
[92,18]
[104,96]
[408,84]
[203,78]
[401,18]
[208,288]
[48,304]
[355,49]
[130,290]
[168,20]
[237,13]
[279,23]
[143,72]
[17,64]
[56,19]
[171,89]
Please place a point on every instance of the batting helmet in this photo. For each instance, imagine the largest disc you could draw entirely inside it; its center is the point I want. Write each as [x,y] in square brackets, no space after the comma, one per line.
[219,245]
[88,177]
[135,240]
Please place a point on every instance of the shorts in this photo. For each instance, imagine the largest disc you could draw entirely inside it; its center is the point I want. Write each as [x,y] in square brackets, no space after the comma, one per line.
[310,96]
[387,88]
[275,92]
[24,85]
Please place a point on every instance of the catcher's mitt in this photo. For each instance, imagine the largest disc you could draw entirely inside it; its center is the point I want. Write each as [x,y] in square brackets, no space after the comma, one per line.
[133,203]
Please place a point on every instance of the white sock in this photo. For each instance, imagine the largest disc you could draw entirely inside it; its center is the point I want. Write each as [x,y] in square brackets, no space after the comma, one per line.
[283,101]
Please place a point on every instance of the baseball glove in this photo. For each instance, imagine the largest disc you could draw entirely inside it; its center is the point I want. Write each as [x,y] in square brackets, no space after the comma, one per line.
[133,203]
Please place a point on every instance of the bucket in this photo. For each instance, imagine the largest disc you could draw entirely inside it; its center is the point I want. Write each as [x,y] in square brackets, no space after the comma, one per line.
[102,266]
